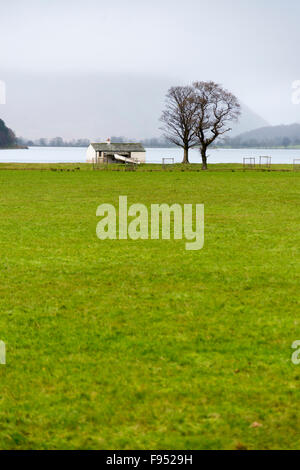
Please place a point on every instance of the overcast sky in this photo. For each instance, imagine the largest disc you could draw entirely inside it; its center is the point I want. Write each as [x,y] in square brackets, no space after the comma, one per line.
[88,68]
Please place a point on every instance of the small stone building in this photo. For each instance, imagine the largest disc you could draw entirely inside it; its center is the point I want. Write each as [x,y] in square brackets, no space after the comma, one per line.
[108,152]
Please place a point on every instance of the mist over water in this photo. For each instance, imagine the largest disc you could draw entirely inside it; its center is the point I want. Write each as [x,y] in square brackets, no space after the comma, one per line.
[93,69]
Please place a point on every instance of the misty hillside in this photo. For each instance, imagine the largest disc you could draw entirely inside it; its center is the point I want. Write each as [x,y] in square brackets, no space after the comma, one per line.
[7,136]
[268,136]
[94,106]
[248,120]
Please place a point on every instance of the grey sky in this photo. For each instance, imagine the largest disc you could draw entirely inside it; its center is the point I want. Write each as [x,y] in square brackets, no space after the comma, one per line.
[61,59]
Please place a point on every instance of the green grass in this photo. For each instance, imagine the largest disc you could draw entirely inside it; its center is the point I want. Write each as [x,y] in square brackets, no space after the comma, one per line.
[141,344]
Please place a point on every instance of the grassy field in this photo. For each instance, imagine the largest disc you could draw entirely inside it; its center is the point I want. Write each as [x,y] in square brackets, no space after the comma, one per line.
[141,344]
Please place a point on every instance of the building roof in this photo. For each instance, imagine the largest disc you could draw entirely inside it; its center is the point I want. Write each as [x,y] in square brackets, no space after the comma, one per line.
[115,147]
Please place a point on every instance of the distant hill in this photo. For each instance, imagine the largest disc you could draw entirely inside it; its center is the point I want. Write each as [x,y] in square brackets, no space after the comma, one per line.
[7,136]
[268,136]
[248,120]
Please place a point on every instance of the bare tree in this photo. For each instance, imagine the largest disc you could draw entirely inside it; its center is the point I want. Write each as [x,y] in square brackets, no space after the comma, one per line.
[179,118]
[216,107]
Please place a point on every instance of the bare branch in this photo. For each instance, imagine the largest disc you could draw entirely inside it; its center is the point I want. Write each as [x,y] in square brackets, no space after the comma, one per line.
[216,107]
[178,118]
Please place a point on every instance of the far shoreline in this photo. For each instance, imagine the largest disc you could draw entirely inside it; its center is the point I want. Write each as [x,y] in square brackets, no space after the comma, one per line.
[22,147]
[15,147]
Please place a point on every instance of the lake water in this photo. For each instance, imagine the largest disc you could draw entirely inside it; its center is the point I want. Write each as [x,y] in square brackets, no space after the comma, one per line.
[153,155]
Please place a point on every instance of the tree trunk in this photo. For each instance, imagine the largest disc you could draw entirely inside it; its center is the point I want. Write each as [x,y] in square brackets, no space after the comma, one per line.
[186,155]
[204,158]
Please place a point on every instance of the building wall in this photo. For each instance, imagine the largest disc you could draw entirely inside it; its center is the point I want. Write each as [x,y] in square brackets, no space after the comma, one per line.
[90,154]
[140,156]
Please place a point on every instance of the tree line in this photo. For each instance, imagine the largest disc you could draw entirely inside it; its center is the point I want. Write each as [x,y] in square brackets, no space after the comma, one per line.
[54,142]
[154,142]
[238,142]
